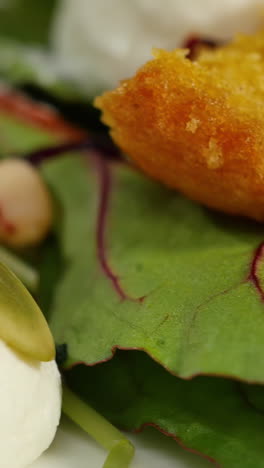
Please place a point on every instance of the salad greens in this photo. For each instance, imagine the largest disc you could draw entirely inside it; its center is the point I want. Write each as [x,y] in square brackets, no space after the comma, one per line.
[22,65]
[26,56]
[216,417]
[26,21]
[170,288]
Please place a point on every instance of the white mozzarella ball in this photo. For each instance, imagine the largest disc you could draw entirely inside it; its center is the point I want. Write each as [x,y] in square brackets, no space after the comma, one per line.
[100,42]
[30,407]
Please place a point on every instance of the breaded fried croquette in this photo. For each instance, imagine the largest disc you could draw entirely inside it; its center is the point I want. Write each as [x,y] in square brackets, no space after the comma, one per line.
[197,126]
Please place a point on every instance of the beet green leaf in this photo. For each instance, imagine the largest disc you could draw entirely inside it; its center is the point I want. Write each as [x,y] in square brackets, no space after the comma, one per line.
[211,416]
[148,269]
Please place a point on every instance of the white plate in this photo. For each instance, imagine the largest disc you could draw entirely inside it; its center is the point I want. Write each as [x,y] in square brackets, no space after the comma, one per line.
[72,448]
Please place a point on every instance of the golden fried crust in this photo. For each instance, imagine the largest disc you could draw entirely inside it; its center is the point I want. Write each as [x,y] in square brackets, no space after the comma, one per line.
[197,126]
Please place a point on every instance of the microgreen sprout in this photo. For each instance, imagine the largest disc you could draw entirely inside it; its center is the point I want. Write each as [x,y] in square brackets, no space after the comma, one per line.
[121,451]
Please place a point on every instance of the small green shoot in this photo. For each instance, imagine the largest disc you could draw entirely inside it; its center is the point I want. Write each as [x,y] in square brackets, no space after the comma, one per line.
[28,275]
[121,451]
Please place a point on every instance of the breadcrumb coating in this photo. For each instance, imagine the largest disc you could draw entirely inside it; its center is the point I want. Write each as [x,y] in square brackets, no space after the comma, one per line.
[197,126]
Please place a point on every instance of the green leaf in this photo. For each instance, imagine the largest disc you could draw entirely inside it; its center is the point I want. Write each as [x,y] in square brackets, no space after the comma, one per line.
[208,415]
[22,325]
[26,20]
[19,137]
[148,269]
[26,55]
[52,269]
[25,65]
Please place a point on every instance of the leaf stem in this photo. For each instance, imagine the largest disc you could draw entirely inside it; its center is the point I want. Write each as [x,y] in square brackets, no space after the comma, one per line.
[121,451]
[25,272]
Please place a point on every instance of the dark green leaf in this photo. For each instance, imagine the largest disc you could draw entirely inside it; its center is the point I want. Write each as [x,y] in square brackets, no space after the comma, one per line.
[26,20]
[208,415]
[52,267]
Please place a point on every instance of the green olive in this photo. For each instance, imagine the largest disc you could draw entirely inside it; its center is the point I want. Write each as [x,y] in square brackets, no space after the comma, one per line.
[22,324]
